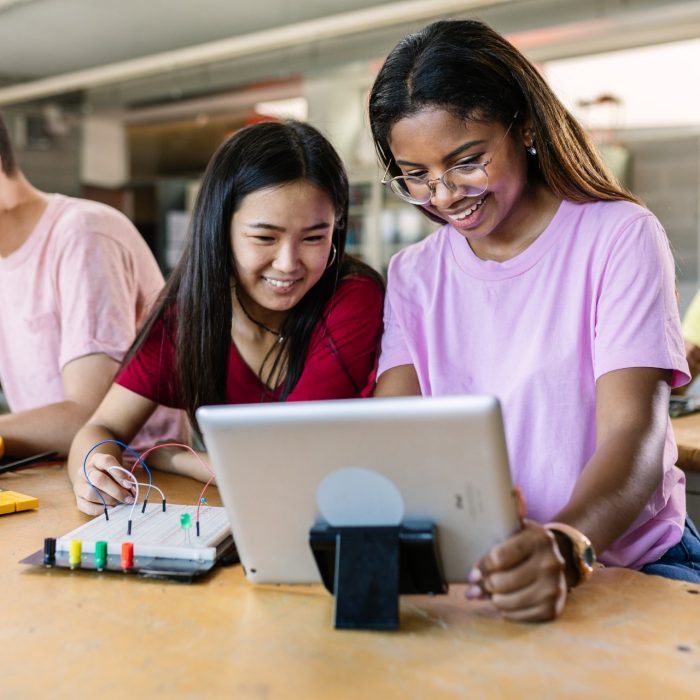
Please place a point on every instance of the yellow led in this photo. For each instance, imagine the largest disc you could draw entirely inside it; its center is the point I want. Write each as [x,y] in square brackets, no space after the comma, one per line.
[75,553]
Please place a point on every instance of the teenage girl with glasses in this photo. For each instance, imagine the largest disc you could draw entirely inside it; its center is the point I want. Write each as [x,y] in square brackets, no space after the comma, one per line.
[549,285]
[264,304]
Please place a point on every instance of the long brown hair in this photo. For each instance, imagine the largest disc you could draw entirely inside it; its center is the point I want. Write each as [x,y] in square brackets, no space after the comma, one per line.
[468,69]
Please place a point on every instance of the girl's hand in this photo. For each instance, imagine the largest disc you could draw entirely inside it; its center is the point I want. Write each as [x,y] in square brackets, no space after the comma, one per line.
[115,487]
[525,576]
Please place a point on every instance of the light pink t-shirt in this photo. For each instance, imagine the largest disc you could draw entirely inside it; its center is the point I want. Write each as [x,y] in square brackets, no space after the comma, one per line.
[594,293]
[80,284]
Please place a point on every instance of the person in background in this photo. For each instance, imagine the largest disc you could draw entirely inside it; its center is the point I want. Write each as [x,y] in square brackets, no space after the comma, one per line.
[547,285]
[76,280]
[264,304]
[691,335]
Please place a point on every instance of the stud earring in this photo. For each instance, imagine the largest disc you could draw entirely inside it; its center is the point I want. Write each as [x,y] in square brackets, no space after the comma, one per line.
[531,150]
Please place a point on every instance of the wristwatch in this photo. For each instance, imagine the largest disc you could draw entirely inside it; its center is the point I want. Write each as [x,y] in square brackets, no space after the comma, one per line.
[582,552]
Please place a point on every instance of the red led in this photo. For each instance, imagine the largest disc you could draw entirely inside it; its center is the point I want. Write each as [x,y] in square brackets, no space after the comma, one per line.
[127,555]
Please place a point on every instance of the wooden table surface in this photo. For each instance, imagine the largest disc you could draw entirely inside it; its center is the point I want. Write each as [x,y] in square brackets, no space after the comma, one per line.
[69,634]
[687,432]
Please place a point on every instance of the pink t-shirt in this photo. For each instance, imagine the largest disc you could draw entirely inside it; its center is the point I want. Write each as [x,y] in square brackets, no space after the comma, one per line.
[594,293]
[80,284]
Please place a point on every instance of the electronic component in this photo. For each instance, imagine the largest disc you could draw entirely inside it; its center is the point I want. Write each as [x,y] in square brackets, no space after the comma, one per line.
[75,552]
[100,555]
[127,555]
[186,525]
[49,551]
[149,543]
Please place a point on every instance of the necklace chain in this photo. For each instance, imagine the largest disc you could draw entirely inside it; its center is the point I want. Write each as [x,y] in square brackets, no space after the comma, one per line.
[259,324]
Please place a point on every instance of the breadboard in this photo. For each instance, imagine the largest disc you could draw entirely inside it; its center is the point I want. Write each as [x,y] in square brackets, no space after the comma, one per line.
[154,533]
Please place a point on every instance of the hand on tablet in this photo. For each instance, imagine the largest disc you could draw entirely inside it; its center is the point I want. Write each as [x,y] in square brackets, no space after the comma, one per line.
[523,576]
[114,487]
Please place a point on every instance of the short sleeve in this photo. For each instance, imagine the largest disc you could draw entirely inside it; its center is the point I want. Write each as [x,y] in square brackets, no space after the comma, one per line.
[637,322]
[394,350]
[691,321]
[97,295]
[342,357]
[151,371]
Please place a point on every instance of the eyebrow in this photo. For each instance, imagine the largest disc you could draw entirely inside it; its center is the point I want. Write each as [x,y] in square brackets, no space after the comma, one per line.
[464,147]
[271,227]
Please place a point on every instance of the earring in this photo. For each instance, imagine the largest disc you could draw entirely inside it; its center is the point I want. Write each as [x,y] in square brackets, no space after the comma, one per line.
[333,254]
[531,149]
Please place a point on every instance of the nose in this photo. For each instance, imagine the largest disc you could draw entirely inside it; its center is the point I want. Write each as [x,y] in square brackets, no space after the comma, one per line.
[442,196]
[287,257]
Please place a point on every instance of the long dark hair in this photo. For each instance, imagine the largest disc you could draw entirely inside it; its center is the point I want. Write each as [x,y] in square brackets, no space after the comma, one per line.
[263,155]
[471,71]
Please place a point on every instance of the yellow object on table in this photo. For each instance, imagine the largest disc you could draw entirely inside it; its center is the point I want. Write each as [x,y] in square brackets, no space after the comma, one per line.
[13,502]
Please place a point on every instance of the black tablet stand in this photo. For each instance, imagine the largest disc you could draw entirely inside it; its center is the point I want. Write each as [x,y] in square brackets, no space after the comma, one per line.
[366,568]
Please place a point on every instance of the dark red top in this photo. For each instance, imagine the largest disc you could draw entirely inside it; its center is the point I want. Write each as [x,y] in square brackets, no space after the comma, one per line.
[341,361]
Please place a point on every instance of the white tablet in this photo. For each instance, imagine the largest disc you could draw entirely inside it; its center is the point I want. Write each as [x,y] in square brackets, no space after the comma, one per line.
[281,468]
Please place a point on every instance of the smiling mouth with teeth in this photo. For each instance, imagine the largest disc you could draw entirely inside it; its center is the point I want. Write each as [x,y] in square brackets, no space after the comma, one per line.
[281,284]
[468,212]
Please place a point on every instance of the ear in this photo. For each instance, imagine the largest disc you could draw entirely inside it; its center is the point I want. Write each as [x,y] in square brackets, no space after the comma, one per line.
[527,132]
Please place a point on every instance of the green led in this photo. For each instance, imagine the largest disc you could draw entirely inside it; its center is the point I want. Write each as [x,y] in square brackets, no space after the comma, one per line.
[185,521]
[100,555]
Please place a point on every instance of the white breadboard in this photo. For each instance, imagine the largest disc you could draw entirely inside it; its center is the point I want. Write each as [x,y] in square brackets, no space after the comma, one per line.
[154,533]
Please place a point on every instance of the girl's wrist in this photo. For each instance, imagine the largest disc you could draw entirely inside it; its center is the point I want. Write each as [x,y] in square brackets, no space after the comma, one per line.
[577,551]
[566,550]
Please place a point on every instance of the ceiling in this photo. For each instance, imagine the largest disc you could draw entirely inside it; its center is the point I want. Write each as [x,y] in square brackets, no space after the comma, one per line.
[135,53]
[48,37]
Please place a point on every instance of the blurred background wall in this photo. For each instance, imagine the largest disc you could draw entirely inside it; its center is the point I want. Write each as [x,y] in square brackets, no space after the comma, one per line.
[125,102]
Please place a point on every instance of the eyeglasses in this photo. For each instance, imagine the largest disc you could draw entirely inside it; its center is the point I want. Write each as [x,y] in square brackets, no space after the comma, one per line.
[468,179]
